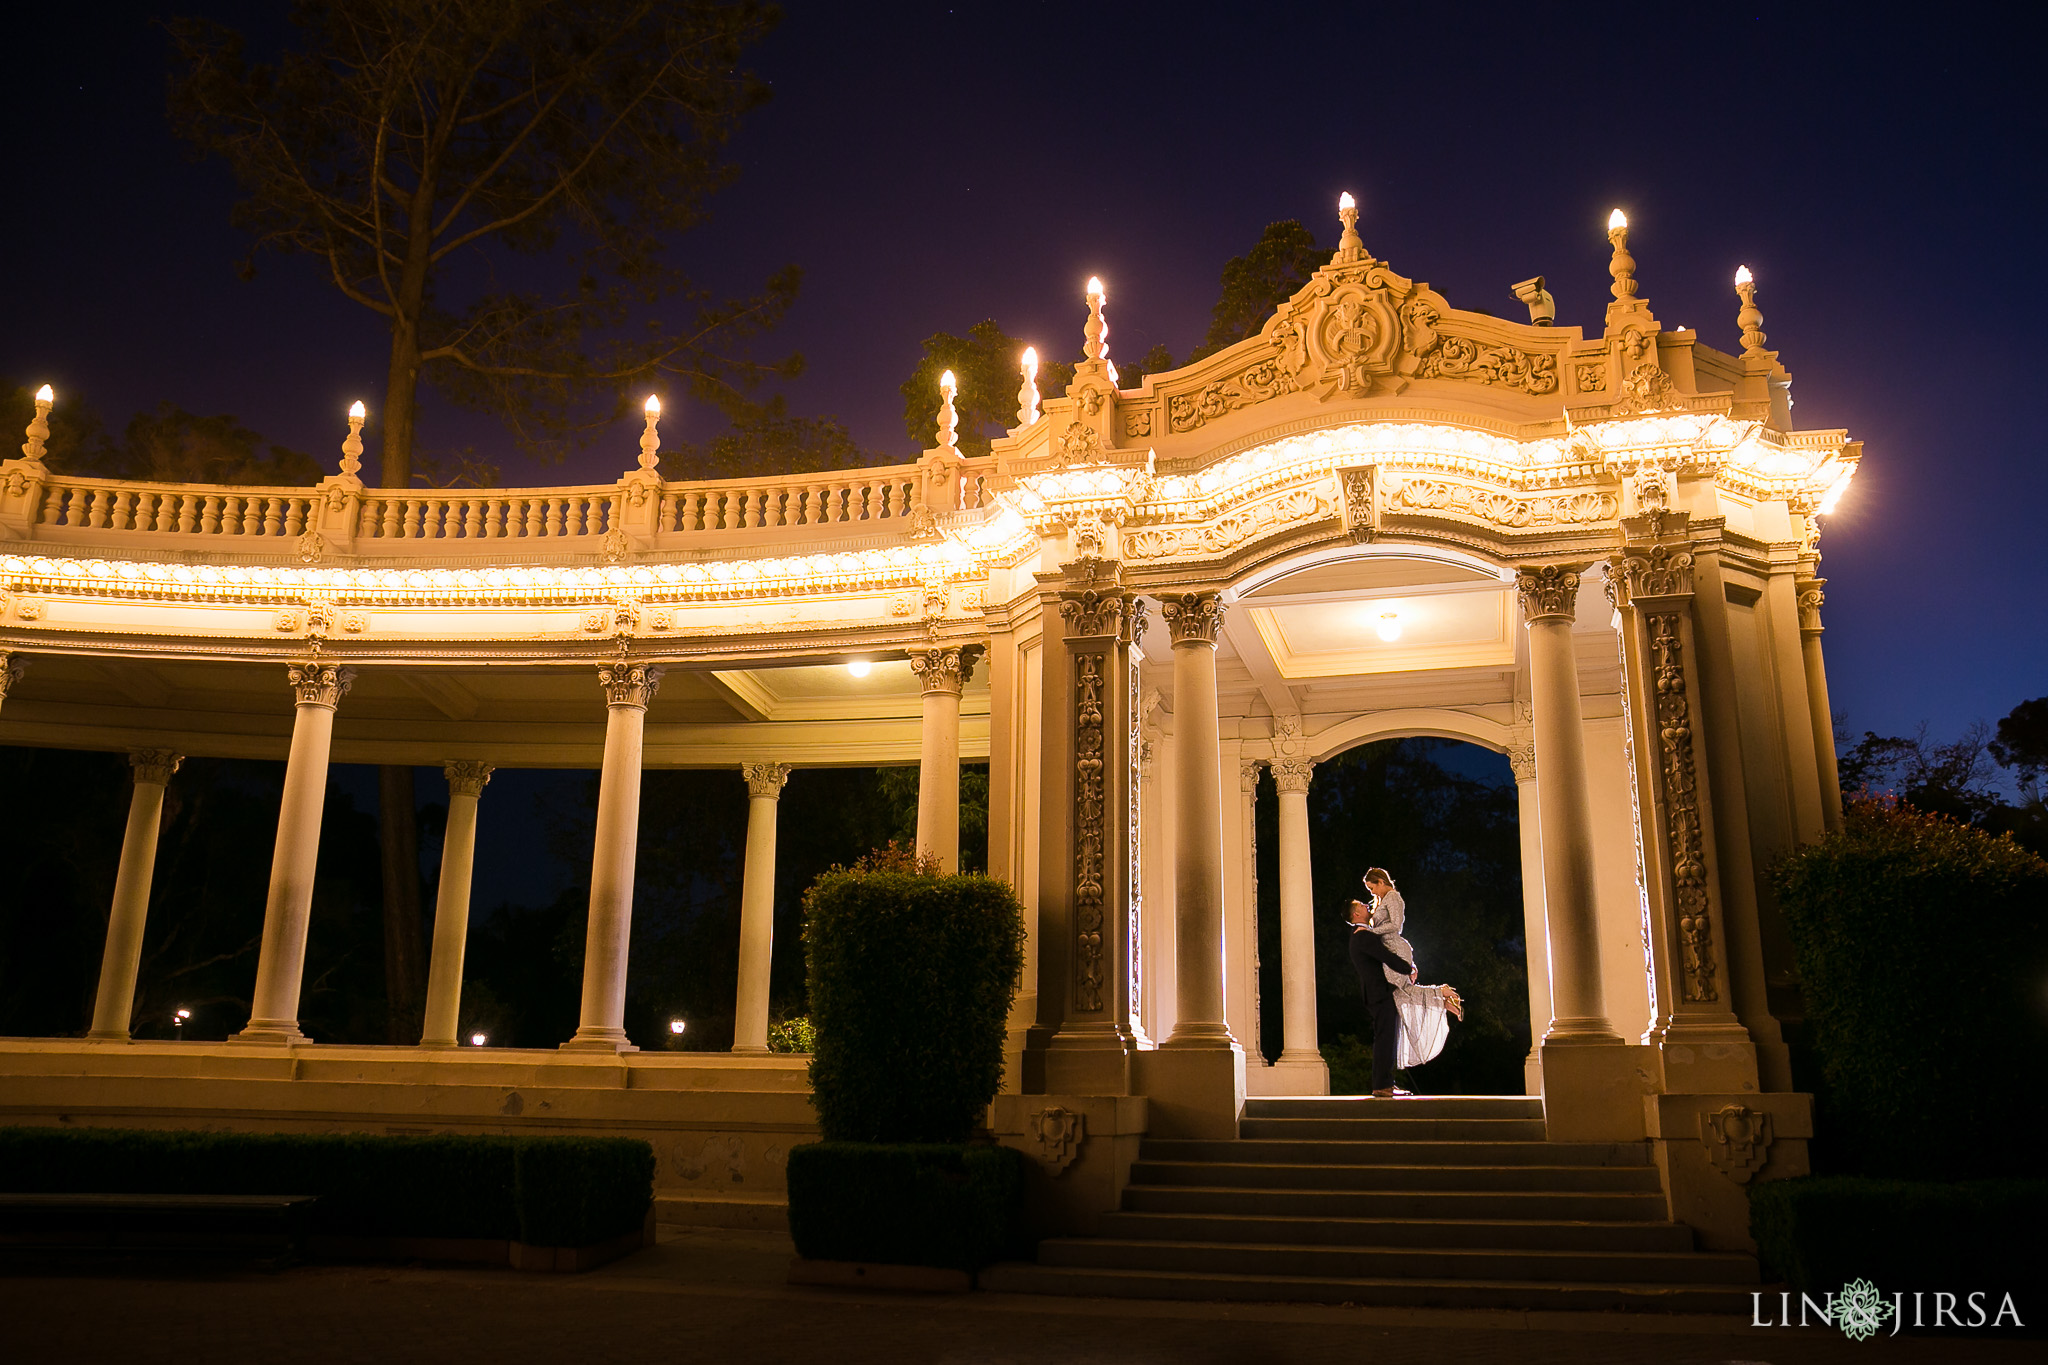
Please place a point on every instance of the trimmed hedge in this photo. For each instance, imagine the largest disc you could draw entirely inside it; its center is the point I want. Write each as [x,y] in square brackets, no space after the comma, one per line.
[935,1204]
[1922,944]
[544,1191]
[1817,1233]
[911,977]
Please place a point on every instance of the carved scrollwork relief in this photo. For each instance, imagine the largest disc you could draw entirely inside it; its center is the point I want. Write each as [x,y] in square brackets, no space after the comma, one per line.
[1590,376]
[1138,422]
[1659,571]
[944,670]
[1080,444]
[1456,357]
[1501,509]
[1297,506]
[629,684]
[319,684]
[312,547]
[1192,616]
[1254,384]
[1057,1133]
[1646,389]
[12,666]
[765,781]
[1737,1139]
[1094,612]
[1548,591]
[1090,834]
[1358,490]
[1682,812]
[1811,598]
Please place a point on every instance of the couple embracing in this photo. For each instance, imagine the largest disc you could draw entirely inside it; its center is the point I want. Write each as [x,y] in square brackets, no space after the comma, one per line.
[1409,1023]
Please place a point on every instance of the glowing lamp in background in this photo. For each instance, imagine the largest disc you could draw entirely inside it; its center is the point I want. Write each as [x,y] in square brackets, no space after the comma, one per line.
[1030,362]
[478,1039]
[1095,288]
[1388,627]
[653,405]
[1835,490]
[676,1027]
[180,1017]
[858,667]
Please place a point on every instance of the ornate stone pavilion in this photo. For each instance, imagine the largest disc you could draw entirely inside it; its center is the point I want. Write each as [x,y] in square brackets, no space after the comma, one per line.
[1381,516]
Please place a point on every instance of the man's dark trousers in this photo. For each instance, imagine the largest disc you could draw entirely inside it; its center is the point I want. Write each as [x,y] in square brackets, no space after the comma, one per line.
[1368,953]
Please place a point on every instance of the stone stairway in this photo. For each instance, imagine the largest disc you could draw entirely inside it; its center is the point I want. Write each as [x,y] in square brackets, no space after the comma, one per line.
[1453,1202]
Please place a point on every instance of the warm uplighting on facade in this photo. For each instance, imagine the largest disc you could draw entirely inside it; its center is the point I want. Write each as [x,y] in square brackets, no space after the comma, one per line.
[1616,221]
[1389,626]
[858,667]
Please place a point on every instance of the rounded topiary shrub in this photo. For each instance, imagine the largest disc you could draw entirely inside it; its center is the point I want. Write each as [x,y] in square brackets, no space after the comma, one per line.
[1922,946]
[911,977]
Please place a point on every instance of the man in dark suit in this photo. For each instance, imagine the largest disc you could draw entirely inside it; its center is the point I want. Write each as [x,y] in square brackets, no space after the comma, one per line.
[1369,952]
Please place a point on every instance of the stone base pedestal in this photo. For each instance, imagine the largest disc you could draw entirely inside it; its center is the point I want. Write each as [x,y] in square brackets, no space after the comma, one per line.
[1705,1064]
[1712,1150]
[1196,1092]
[1080,1147]
[600,1040]
[270,1033]
[1593,1092]
[1288,1076]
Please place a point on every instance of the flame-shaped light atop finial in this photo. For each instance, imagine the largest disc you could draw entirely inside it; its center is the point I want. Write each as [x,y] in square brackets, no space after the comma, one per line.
[1749,317]
[1027,393]
[650,435]
[1095,336]
[1349,246]
[1623,266]
[352,444]
[948,419]
[38,430]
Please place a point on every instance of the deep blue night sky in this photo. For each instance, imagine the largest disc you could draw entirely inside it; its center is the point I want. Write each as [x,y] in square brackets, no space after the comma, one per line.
[931,165]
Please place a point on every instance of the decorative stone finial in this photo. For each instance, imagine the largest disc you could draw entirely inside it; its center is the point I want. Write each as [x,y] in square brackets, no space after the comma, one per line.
[1750,319]
[1027,396]
[352,446]
[1623,266]
[39,426]
[1350,246]
[650,439]
[1095,336]
[949,420]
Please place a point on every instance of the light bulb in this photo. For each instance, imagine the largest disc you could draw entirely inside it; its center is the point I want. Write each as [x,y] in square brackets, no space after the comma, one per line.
[1095,288]
[1616,219]
[1389,626]
[1031,361]
[46,394]
[357,410]
[653,405]
[1742,276]
[183,1015]
[1345,201]
[676,1027]
[478,1039]
[858,667]
[948,384]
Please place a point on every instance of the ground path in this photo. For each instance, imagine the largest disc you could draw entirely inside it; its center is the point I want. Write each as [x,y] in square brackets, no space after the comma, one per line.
[720,1297]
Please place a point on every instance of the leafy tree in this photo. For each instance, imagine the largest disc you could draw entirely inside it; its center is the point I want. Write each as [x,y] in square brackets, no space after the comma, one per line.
[79,442]
[1158,360]
[419,151]
[2022,741]
[988,363]
[416,151]
[770,439]
[169,445]
[1949,779]
[1259,281]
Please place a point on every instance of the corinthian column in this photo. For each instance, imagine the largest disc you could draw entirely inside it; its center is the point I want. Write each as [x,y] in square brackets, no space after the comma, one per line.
[1528,820]
[757,905]
[1193,619]
[1823,719]
[281,965]
[115,1007]
[601,1025]
[943,673]
[12,666]
[1297,916]
[1550,604]
[466,782]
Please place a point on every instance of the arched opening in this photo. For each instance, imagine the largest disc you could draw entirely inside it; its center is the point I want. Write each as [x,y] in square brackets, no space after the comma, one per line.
[1440,814]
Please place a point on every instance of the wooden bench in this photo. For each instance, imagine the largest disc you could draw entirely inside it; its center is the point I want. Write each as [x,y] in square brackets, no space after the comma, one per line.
[264,1228]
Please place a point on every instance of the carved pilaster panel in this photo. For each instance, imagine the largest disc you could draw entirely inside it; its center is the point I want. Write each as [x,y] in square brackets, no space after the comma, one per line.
[1192,616]
[154,766]
[1103,613]
[1091,825]
[1358,502]
[945,671]
[1653,572]
[629,684]
[765,781]
[1549,591]
[1678,781]
[467,778]
[319,684]
[12,666]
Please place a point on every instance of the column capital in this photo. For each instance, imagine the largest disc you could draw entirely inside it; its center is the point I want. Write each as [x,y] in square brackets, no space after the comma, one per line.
[1521,752]
[467,777]
[1652,571]
[945,671]
[1810,599]
[629,684]
[319,684]
[154,766]
[1192,617]
[1094,613]
[1248,774]
[1549,591]
[1292,774]
[12,666]
[765,781]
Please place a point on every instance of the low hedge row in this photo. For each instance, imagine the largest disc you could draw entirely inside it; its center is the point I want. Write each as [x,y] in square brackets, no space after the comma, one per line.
[936,1204]
[1817,1233]
[544,1191]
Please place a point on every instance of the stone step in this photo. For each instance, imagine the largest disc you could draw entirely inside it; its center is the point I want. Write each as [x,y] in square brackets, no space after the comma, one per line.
[1337,1153]
[1022,1277]
[1501,1205]
[1414,1106]
[1379,1263]
[1347,1176]
[1375,1127]
[1328,1229]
